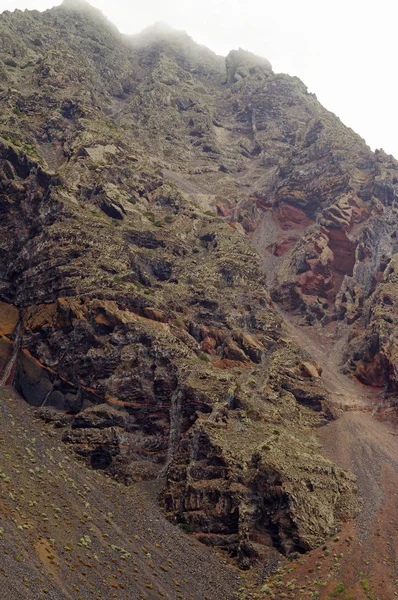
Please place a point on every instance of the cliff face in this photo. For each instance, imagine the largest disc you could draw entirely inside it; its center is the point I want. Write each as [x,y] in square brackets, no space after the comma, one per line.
[146,186]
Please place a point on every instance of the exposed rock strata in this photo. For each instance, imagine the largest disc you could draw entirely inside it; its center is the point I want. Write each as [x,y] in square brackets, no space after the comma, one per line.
[136,176]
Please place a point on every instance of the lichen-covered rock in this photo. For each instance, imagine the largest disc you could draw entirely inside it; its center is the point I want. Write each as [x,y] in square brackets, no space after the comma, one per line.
[251,486]
[145,188]
[373,352]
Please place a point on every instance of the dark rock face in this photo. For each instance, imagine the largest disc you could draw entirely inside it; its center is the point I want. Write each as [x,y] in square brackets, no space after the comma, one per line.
[136,177]
[223,486]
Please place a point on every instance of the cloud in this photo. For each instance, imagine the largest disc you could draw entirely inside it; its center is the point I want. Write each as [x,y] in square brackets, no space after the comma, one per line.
[342,50]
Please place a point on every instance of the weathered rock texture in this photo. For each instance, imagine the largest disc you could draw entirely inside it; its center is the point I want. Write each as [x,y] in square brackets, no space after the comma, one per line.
[146,184]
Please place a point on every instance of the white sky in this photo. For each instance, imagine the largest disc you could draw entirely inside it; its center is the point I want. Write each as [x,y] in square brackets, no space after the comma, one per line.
[345,51]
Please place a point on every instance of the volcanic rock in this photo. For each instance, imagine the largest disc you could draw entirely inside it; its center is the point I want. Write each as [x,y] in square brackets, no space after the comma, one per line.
[154,197]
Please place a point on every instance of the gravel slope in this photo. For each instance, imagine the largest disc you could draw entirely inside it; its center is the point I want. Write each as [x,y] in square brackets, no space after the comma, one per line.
[361,562]
[70,533]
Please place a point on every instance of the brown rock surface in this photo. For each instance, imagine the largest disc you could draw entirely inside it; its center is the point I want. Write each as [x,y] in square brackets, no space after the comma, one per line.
[146,185]
[9,317]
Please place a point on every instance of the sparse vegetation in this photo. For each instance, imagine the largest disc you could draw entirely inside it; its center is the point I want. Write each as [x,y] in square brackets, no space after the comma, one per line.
[365,585]
[96,165]
[17,111]
[154,334]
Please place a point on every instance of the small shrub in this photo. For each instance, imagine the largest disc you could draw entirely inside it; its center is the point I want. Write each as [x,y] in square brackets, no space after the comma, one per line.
[18,111]
[365,585]
[338,590]
[149,215]
[30,149]
[85,541]
[110,125]
[204,356]
[96,165]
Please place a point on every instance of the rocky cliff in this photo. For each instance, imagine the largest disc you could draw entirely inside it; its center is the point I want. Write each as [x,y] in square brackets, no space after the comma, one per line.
[154,197]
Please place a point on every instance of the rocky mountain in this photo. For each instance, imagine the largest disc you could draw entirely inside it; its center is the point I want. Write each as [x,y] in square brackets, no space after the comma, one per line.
[163,211]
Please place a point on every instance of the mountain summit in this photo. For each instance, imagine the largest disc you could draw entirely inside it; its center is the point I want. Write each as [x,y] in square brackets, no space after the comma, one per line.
[81,5]
[197,285]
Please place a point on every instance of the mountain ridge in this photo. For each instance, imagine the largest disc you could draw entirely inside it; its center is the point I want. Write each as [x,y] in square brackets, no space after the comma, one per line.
[157,200]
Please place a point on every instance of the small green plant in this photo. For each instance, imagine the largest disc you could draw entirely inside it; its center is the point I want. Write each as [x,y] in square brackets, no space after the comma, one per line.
[266,589]
[132,200]
[149,215]
[30,149]
[339,589]
[96,165]
[168,219]
[17,111]
[365,585]
[204,356]
[110,125]
[85,541]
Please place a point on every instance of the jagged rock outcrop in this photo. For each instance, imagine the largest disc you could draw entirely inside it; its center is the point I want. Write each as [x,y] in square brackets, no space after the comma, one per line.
[246,487]
[146,184]
[147,332]
[240,64]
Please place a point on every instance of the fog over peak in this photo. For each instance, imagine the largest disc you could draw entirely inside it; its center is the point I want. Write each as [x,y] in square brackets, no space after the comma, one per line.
[160,30]
[77,4]
[344,52]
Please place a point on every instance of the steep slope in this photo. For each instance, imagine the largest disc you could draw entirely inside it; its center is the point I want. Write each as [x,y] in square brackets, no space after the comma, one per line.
[137,174]
[361,561]
[66,533]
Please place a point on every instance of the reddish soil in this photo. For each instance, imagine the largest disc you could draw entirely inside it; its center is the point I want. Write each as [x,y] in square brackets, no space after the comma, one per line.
[325,345]
[361,562]
[291,217]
